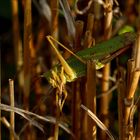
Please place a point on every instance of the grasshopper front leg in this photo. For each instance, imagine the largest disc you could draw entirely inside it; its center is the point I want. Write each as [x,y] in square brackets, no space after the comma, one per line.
[59,77]
[61,93]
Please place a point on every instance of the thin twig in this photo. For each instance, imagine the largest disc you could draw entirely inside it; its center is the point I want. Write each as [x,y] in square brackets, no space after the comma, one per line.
[12,115]
[109,91]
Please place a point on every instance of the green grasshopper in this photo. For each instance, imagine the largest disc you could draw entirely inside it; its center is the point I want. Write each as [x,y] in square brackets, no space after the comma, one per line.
[75,66]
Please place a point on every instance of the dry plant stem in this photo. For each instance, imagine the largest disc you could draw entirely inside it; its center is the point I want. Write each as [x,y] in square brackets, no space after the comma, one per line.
[54,5]
[90,22]
[138,125]
[106,70]
[89,127]
[137,65]
[127,108]
[76,86]
[128,5]
[27,54]
[97,10]
[134,79]
[0,95]
[17,43]
[91,99]
[12,114]
[132,84]
[41,34]
[35,71]
[121,95]
[88,40]
[56,131]
[86,96]
[79,30]
[130,69]
[27,60]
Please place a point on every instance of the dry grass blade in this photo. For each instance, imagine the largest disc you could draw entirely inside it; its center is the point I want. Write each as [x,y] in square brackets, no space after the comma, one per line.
[98,122]
[63,125]
[83,11]
[109,91]
[21,113]
[33,122]
[44,9]
[68,17]
[7,124]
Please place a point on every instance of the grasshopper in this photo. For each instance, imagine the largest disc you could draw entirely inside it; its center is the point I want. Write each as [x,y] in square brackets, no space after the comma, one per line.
[75,66]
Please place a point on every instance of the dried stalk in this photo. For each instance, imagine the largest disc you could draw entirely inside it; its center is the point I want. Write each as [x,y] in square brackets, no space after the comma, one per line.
[91,99]
[27,54]
[12,114]
[90,22]
[137,64]
[88,97]
[0,96]
[129,7]
[130,68]
[106,70]
[76,99]
[54,5]
[132,84]
[79,25]
[56,131]
[17,43]
[76,102]
[121,94]
[138,125]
